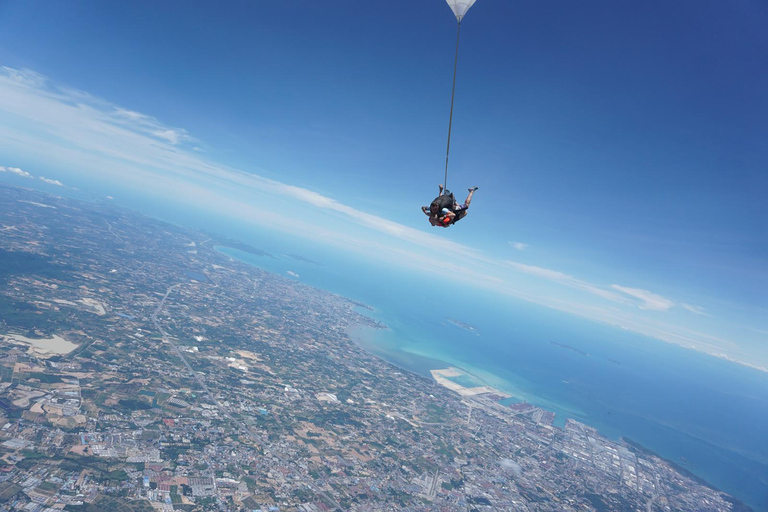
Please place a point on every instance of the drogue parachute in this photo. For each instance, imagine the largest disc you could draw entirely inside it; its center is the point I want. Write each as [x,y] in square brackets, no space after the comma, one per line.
[460,7]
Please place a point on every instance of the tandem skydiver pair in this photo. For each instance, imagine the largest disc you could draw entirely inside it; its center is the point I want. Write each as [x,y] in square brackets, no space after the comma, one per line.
[444,211]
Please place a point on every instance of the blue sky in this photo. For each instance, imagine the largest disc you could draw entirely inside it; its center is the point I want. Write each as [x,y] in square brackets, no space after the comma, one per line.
[619,148]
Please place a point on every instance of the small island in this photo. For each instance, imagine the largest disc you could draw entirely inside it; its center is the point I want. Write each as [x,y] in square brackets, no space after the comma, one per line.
[240,246]
[463,325]
[568,347]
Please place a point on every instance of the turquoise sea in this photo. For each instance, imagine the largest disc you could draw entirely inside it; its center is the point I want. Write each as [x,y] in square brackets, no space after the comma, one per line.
[708,415]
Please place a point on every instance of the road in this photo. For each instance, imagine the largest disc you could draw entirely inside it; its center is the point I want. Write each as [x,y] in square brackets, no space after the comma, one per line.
[656,487]
[195,375]
[113,232]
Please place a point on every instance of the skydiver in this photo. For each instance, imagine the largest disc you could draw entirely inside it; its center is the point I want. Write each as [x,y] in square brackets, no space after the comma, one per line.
[445,211]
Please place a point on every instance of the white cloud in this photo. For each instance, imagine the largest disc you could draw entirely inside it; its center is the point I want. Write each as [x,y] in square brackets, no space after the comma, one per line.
[145,124]
[546,273]
[51,182]
[134,116]
[648,300]
[172,136]
[137,148]
[510,465]
[105,142]
[560,277]
[25,77]
[15,170]
[697,310]
[750,365]
[645,299]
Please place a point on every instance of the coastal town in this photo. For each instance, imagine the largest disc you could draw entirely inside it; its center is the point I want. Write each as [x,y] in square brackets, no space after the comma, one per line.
[141,369]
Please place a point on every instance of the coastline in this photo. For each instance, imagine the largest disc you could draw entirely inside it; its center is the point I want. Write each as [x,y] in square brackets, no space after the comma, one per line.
[442,371]
[738,505]
[442,376]
[409,350]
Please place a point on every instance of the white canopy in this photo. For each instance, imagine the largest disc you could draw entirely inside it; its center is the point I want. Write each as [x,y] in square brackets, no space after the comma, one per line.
[460,7]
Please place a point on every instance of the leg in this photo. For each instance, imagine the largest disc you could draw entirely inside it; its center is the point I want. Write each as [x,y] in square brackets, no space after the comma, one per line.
[469,197]
[440,185]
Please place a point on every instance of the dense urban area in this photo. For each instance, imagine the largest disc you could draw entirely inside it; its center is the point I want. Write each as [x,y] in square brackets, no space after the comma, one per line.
[140,369]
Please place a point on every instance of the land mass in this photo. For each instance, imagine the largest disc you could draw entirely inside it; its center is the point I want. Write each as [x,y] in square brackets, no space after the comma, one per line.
[302,259]
[243,391]
[463,325]
[568,347]
[240,246]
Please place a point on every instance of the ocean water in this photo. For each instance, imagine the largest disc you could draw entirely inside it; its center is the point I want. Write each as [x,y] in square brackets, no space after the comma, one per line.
[708,415]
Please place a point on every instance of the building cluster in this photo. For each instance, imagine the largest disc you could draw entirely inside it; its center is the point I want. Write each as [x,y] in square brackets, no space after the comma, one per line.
[141,369]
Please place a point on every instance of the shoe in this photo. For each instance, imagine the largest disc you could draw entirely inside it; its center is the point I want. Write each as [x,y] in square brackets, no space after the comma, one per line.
[472,189]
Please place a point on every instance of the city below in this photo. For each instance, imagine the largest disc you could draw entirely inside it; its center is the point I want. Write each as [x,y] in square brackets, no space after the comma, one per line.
[140,369]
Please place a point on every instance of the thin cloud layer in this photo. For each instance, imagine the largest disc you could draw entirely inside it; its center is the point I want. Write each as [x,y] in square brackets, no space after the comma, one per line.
[105,142]
[545,273]
[696,310]
[568,280]
[648,300]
